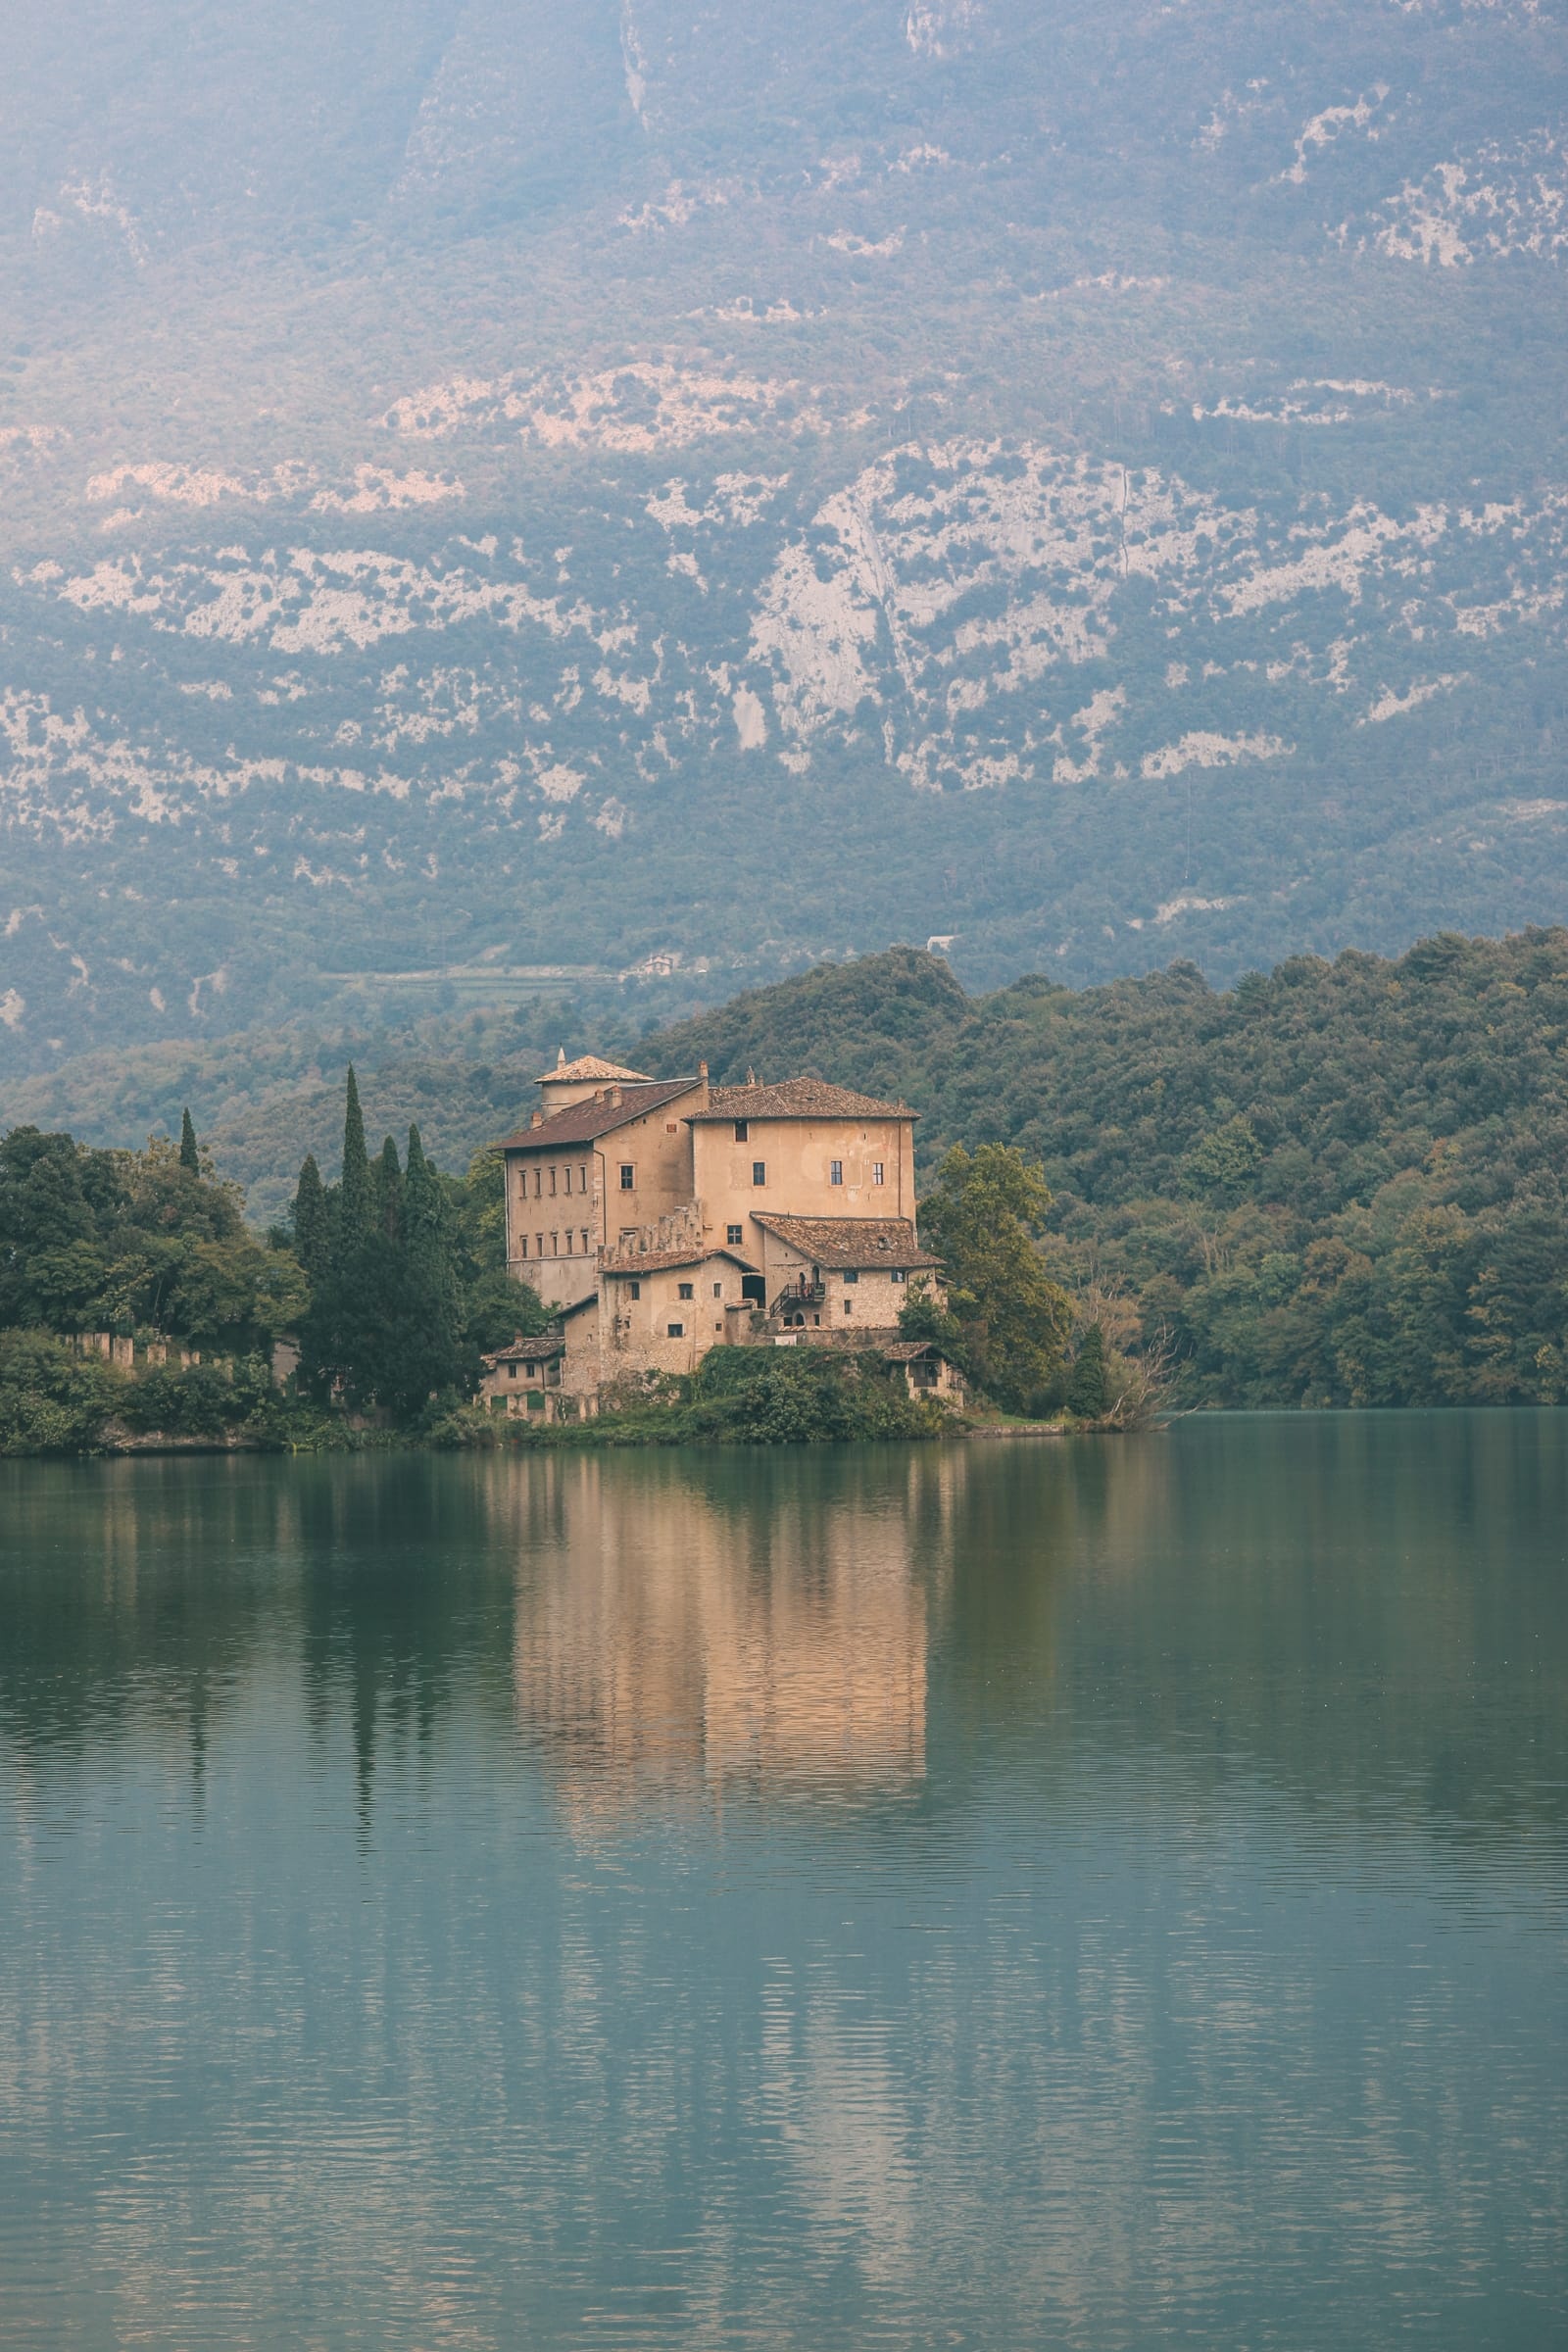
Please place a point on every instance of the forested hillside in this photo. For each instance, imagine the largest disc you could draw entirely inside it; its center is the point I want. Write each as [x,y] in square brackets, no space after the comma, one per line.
[495,497]
[1337,1183]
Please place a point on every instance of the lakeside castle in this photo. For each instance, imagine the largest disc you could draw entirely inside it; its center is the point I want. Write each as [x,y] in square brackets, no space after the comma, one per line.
[661,1217]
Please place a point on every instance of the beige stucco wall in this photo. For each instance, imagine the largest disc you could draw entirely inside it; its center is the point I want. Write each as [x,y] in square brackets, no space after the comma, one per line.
[636,1334]
[798,1154]
[587,1197]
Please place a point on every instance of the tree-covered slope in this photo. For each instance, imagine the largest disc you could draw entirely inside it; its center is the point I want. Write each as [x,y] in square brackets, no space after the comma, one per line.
[651,488]
[1333,1183]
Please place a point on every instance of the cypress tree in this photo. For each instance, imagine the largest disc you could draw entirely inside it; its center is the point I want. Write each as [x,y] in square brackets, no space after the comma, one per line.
[189,1154]
[1088,1391]
[389,1192]
[355,1214]
[311,1242]
[432,1273]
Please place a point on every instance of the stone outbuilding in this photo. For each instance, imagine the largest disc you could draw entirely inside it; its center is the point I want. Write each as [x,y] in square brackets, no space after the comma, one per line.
[524,1376]
[833,1273]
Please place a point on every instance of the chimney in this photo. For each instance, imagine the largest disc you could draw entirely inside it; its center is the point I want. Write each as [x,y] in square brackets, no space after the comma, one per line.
[702,1070]
[615,1097]
[538,1119]
[561,1058]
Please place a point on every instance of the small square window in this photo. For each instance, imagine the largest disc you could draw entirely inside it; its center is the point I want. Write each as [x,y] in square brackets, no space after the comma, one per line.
[852,1273]
[734,1235]
[675,1331]
[759,1171]
[878,1172]
[835,1171]
[742,1131]
[628,1176]
[636,1288]
[897,1274]
[686,1290]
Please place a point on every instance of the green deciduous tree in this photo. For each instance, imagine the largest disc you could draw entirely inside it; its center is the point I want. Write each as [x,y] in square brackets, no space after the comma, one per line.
[984,1218]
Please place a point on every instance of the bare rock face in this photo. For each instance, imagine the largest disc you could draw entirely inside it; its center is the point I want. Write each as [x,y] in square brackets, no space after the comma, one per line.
[648,486]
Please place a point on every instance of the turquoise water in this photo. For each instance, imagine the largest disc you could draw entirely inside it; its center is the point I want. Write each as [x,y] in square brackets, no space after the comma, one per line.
[1101,1894]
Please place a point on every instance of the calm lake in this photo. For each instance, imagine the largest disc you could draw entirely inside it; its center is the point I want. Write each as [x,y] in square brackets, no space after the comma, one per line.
[1096,1893]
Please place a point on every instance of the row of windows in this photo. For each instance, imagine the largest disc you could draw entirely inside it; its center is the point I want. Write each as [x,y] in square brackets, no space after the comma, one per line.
[566,1185]
[683,1289]
[554,1250]
[628,1171]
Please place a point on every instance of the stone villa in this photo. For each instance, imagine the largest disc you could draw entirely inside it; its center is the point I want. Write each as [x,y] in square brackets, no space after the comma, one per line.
[661,1217]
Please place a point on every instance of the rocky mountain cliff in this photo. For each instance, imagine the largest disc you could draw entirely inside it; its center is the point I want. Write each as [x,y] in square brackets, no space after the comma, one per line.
[498,496]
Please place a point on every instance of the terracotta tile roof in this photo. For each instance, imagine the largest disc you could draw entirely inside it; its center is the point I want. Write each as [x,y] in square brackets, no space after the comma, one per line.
[850,1241]
[581,1122]
[905,1352]
[796,1099]
[517,1349]
[628,1265]
[589,1066]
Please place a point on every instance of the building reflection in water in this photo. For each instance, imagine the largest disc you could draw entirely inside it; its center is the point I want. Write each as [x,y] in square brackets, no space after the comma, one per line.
[682,1628]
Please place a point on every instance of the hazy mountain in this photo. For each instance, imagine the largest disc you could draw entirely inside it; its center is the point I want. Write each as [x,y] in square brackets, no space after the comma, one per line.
[489,487]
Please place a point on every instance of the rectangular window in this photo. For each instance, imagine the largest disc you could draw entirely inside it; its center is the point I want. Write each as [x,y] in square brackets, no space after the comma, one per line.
[552,1183]
[849,1306]
[566,1179]
[569,1241]
[675,1331]
[554,1244]
[734,1235]
[582,1176]
[759,1171]
[512,1371]
[742,1131]
[719,1293]
[852,1273]
[897,1274]
[584,1239]
[538,1184]
[628,1176]
[835,1171]
[687,1290]
[878,1172]
[538,1244]
[636,1288]
[523,1242]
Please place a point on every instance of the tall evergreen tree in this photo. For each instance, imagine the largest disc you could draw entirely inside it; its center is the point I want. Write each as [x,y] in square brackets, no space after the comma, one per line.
[356,1211]
[433,1283]
[388,1191]
[311,1242]
[189,1157]
[1089,1388]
